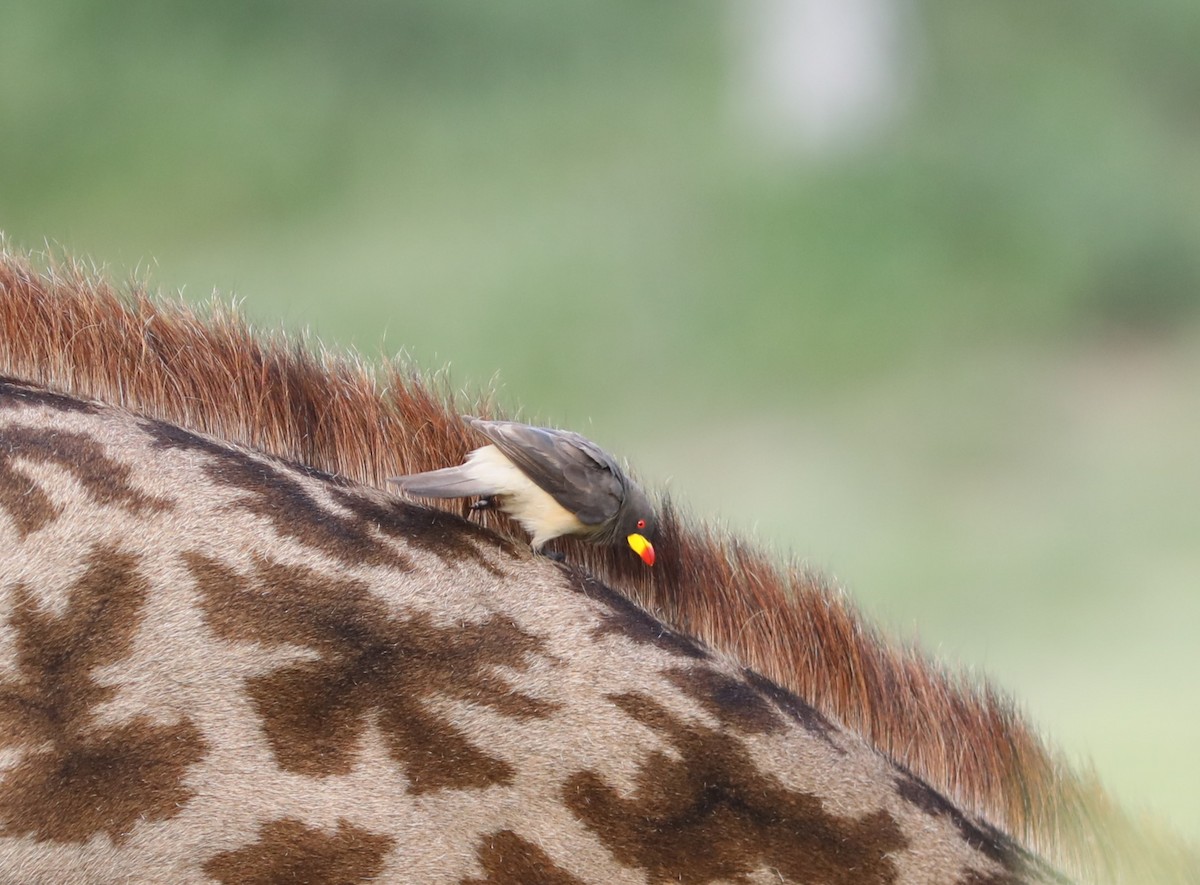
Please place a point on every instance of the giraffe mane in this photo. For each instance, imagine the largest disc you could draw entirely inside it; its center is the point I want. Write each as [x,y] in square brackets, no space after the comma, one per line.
[208,370]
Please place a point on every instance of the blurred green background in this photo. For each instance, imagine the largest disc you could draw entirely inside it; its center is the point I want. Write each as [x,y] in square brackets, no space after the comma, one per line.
[909,290]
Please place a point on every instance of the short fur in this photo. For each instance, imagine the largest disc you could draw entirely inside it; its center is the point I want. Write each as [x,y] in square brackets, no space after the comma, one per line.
[208,372]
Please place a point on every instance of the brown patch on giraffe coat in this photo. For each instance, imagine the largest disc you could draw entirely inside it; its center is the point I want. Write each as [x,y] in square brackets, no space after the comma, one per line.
[104,480]
[18,394]
[373,665]
[797,708]
[450,538]
[733,702]
[714,814]
[353,534]
[625,618]
[30,508]
[985,839]
[507,859]
[289,851]
[749,704]
[75,780]
[101,783]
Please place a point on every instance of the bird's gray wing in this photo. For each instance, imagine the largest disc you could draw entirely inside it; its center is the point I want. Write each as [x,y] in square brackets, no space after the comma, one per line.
[576,472]
[449,482]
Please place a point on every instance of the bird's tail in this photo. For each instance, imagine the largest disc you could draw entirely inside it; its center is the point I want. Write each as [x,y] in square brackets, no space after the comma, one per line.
[449,482]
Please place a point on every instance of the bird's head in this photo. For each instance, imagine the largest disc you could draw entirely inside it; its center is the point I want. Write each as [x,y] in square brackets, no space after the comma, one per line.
[636,524]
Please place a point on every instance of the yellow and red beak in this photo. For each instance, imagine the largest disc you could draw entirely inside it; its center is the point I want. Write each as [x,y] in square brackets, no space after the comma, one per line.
[642,548]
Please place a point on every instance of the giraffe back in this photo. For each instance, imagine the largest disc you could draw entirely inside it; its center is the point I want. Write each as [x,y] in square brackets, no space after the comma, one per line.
[217,666]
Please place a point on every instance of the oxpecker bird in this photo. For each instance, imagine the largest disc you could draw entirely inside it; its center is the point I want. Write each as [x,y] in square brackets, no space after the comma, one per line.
[553,482]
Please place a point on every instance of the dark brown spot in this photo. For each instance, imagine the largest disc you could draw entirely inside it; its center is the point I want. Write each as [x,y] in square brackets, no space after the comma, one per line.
[75,780]
[289,851]
[445,535]
[104,480]
[373,665]
[983,838]
[732,701]
[713,814]
[354,532]
[16,394]
[802,713]
[30,508]
[102,782]
[626,619]
[507,859]
[56,653]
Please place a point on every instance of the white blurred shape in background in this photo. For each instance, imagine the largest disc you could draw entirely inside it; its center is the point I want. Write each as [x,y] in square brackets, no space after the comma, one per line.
[818,76]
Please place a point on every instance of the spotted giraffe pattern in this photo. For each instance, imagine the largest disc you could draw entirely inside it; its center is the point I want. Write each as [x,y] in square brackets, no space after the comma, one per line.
[216,666]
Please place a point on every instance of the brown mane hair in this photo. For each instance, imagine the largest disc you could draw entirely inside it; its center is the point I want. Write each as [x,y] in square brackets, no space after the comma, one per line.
[210,372]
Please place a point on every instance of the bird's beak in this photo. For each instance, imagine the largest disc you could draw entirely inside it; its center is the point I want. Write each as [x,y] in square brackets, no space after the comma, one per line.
[642,548]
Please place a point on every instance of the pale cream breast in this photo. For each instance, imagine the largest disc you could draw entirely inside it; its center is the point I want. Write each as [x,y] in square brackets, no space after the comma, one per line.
[521,498]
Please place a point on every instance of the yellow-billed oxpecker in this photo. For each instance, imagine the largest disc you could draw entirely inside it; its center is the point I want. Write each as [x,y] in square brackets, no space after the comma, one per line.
[553,482]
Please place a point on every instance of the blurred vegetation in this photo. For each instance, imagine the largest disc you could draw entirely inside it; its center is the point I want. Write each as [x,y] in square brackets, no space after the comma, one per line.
[953,361]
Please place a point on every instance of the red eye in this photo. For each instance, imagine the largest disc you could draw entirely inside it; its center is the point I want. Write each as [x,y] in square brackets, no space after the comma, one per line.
[641,523]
